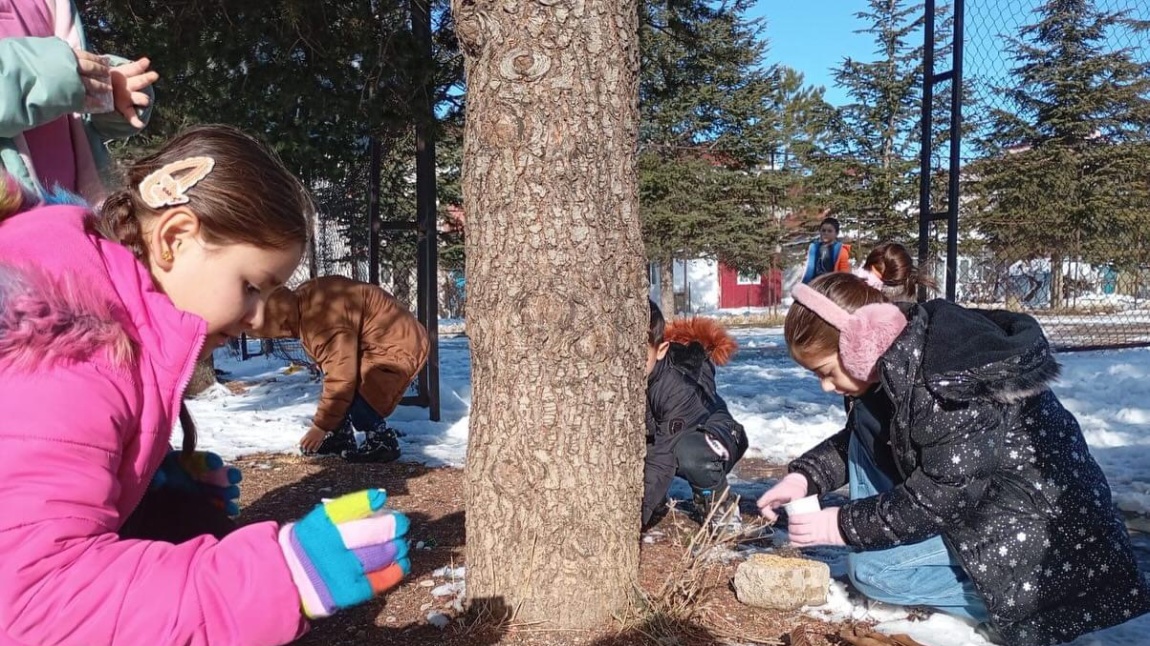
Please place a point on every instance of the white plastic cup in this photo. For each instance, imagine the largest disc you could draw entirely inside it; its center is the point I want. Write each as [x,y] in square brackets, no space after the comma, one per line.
[808,505]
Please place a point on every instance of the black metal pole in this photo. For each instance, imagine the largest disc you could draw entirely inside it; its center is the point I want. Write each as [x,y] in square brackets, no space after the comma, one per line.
[952,193]
[926,141]
[373,223]
[428,247]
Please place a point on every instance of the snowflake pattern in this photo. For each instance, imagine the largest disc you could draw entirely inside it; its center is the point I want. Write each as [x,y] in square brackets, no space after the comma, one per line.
[1024,544]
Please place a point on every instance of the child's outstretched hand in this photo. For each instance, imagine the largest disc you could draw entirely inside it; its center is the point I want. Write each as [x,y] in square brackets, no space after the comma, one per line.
[128,84]
[792,487]
[311,441]
[95,76]
[345,551]
[202,472]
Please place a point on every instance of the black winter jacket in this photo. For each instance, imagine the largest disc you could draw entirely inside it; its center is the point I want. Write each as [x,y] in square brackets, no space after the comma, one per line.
[681,397]
[988,458]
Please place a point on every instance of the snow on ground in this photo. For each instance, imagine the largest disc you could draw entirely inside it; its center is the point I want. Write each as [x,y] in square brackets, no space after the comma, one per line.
[781,406]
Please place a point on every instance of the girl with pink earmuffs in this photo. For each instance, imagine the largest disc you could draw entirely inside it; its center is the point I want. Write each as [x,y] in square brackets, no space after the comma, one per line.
[972,489]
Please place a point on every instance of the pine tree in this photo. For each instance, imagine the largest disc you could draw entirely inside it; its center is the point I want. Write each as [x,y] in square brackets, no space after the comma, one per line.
[865,169]
[711,126]
[315,78]
[1064,172]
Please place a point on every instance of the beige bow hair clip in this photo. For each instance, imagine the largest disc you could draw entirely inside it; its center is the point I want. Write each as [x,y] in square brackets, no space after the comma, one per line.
[162,188]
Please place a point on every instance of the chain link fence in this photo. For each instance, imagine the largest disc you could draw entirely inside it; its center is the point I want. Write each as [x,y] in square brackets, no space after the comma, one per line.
[1054,213]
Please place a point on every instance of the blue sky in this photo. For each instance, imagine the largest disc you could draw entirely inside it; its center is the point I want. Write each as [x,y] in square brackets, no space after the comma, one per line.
[813,36]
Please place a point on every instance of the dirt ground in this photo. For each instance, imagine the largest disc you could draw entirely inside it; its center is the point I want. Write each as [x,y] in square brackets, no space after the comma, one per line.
[280,487]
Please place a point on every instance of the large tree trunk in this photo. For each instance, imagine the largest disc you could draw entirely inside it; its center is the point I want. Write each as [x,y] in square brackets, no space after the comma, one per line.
[556,307]
[1056,281]
[203,377]
[667,287]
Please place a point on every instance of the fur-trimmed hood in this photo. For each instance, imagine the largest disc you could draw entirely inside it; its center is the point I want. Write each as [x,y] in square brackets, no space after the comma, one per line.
[48,317]
[718,345]
[45,321]
[697,346]
[968,355]
[67,295]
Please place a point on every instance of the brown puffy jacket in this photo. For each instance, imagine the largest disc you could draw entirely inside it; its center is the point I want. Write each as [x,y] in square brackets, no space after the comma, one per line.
[360,336]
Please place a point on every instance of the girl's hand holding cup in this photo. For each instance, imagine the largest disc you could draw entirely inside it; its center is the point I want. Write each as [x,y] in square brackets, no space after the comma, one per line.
[792,486]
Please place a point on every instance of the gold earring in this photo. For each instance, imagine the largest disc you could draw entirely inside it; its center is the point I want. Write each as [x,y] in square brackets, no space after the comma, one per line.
[167,256]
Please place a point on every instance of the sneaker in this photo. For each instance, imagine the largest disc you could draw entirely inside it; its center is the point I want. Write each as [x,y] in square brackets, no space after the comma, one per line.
[727,519]
[379,445]
[701,502]
[334,444]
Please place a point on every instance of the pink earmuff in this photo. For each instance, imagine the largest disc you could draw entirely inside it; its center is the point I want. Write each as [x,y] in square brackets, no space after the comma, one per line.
[863,336]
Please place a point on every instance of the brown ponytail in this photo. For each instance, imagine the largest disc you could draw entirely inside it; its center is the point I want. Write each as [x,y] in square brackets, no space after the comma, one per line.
[188,426]
[901,279]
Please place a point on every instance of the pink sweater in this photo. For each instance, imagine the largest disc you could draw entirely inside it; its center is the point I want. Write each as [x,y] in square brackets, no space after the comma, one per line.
[93,363]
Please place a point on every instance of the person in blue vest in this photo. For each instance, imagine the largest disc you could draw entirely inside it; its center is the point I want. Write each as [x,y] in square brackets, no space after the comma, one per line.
[826,254]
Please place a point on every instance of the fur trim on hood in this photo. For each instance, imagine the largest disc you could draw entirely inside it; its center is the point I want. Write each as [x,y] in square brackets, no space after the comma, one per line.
[718,344]
[972,354]
[44,322]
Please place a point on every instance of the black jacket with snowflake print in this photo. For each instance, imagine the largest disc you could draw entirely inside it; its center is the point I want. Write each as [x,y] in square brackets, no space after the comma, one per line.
[988,458]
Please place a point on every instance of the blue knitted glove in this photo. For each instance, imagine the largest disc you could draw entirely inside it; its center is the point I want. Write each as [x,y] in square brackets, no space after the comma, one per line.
[201,472]
[345,551]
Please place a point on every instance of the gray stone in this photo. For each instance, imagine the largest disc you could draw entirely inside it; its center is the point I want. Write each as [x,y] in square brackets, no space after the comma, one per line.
[782,583]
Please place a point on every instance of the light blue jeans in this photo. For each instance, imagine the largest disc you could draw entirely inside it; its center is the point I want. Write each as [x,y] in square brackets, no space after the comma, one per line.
[918,574]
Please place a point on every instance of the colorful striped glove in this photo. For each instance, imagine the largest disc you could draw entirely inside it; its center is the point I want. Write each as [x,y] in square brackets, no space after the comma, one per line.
[345,551]
[201,472]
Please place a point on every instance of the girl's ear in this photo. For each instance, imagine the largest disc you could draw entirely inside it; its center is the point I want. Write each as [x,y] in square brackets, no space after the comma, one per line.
[173,231]
[662,352]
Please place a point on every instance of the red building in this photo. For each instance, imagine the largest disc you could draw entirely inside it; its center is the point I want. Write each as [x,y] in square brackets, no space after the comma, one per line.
[749,290]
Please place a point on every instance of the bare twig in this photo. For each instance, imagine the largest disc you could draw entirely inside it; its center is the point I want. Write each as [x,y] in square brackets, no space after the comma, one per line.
[676,613]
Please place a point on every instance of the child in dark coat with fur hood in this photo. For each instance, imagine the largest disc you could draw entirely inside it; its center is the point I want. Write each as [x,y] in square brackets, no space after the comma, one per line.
[690,432]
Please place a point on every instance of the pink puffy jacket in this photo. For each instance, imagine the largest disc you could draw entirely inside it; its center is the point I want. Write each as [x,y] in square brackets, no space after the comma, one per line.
[93,363]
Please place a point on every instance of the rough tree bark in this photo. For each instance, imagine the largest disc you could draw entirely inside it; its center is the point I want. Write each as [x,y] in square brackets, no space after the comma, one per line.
[203,377]
[667,287]
[1056,280]
[556,308]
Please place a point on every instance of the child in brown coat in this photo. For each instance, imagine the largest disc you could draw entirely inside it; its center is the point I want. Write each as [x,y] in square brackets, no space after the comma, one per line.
[369,348]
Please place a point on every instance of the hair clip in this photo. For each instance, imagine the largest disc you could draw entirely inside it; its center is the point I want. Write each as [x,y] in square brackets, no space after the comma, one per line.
[872,279]
[162,188]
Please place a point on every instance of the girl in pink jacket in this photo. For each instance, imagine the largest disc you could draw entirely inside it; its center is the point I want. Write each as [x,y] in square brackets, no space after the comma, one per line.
[101,322]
